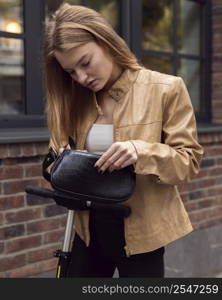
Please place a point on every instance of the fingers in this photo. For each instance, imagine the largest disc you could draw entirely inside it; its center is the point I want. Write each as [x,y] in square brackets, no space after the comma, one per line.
[119,164]
[107,155]
[61,150]
[119,155]
[113,162]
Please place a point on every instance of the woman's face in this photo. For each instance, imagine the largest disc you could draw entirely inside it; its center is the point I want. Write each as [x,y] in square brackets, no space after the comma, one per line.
[89,65]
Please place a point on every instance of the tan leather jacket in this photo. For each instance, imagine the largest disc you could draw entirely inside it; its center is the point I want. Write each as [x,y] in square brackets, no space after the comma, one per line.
[154,112]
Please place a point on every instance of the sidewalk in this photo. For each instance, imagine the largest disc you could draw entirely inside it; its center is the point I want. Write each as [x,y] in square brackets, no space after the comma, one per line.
[52,274]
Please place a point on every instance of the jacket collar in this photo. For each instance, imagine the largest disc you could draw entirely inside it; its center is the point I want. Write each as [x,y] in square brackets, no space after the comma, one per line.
[119,88]
[123,83]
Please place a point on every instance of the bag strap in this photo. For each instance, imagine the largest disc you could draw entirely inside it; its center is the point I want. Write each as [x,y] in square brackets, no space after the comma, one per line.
[72,143]
[51,157]
[48,160]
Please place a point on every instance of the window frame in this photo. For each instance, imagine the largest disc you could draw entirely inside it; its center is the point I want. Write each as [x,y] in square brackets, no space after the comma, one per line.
[204,57]
[31,37]
[130,29]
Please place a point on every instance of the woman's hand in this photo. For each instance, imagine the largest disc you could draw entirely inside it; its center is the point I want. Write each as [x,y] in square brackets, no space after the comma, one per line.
[62,149]
[68,147]
[118,156]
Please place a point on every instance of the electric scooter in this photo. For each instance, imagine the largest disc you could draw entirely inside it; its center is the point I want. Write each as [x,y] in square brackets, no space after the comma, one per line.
[72,205]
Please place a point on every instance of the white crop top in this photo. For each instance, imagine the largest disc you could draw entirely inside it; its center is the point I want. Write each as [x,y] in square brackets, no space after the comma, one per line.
[99,138]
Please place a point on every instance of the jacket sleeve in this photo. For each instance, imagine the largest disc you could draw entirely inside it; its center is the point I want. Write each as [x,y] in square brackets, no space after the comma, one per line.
[177,158]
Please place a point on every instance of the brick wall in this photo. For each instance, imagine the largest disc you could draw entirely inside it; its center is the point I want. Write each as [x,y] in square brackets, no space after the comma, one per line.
[217,61]
[203,196]
[31,227]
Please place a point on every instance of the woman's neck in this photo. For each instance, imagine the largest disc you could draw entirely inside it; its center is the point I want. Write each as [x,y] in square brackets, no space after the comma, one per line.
[117,72]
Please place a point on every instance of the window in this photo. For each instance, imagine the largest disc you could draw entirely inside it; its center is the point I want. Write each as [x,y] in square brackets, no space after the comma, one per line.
[21,96]
[11,57]
[170,36]
[175,41]
[108,8]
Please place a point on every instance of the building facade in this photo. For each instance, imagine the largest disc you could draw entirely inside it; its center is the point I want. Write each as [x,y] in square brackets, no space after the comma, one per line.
[179,37]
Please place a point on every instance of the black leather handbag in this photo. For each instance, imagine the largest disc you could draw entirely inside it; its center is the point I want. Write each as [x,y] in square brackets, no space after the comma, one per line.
[74,174]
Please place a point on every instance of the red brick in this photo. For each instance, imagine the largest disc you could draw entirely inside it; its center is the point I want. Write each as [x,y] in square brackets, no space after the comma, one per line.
[33,171]
[63,220]
[41,148]
[185,197]
[12,262]
[215,191]
[216,85]
[217,76]
[23,215]
[42,254]
[215,211]
[216,38]
[198,194]
[43,225]
[213,151]
[217,49]
[17,186]
[210,138]
[54,236]
[216,120]
[218,200]
[28,160]
[23,243]
[8,232]
[190,206]
[28,150]
[1,218]
[15,150]
[2,247]
[208,202]
[202,174]
[216,67]
[215,172]
[11,172]
[11,202]
[3,151]
[217,113]
[188,187]
[207,223]
[50,264]
[200,215]
[13,187]
[217,10]
[206,183]
[54,209]
[45,184]
[33,269]
[216,3]
[217,94]
[10,162]
[216,24]
[22,272]
[217,105]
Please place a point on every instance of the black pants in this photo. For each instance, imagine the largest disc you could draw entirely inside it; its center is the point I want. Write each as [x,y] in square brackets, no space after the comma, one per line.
[106,253]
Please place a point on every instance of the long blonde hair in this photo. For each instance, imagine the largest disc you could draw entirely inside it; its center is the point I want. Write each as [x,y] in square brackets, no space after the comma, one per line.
[69,27]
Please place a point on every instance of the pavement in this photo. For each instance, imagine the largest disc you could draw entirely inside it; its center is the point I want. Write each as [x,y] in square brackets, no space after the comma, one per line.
[49,274]
[52,274]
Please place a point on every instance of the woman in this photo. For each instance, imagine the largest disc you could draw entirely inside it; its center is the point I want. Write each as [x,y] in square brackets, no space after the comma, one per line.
[99,93]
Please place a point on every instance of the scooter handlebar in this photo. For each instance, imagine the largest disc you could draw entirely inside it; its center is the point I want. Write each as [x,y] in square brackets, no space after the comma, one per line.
[76,204]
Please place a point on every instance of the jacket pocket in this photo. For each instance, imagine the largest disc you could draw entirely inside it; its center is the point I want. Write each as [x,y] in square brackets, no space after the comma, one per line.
[149,132]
